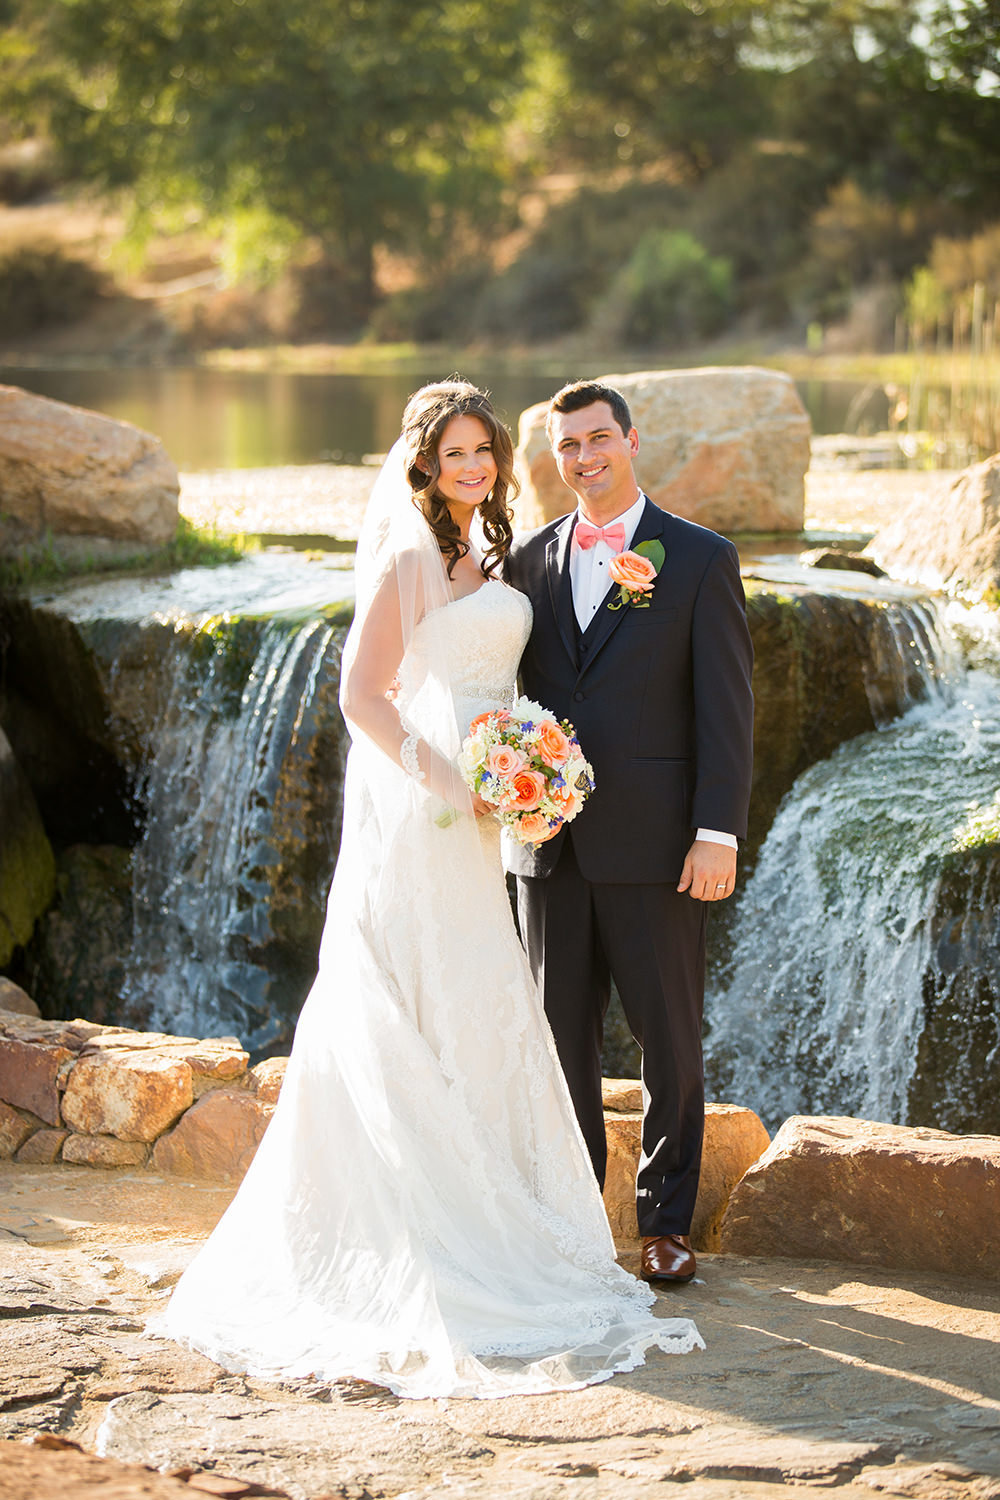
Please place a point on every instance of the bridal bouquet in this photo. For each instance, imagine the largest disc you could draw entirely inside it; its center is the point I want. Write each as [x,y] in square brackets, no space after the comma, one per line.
[528,767]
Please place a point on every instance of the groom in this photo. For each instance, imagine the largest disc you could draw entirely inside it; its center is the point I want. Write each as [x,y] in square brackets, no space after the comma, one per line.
[660,698]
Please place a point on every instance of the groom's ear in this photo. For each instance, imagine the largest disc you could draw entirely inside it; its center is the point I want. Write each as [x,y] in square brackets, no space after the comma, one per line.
[633,441]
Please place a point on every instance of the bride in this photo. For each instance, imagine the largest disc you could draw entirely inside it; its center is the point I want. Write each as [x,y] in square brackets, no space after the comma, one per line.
[422,1212]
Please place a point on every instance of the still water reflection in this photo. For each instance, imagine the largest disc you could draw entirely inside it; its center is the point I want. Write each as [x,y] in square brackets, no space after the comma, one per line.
[217,419]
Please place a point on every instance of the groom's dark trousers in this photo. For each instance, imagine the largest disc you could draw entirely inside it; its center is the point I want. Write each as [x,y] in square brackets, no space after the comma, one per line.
[660,698]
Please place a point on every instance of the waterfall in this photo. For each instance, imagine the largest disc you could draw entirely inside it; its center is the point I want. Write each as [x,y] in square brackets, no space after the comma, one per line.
[219,785]
[831,941]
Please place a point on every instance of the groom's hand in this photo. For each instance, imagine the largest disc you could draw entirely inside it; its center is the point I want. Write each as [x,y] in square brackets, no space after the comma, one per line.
[709,872]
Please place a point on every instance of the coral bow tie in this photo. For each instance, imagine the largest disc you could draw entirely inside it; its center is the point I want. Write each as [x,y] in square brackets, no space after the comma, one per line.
[586,535]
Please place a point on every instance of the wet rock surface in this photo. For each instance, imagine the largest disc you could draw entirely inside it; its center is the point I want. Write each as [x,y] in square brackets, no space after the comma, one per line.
[951,1086]
[828,665]
[815,1376]
[198,749]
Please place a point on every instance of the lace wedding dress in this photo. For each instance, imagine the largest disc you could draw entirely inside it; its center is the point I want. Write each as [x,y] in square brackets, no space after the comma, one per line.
[422,1212]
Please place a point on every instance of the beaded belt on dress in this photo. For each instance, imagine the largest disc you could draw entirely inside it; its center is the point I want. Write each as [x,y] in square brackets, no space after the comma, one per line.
[484,692]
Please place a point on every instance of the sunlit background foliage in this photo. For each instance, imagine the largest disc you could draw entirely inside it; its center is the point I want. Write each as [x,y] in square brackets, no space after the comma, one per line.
[638,170]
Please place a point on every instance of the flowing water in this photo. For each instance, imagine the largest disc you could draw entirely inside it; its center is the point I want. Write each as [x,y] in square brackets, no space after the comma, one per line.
[820,997]
[204,871]
[831,944]
[220,690]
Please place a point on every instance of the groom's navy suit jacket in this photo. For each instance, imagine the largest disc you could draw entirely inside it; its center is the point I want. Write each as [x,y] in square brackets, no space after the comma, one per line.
[660,698]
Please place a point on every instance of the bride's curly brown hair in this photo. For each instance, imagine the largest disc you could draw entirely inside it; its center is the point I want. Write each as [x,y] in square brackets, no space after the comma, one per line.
[425,418]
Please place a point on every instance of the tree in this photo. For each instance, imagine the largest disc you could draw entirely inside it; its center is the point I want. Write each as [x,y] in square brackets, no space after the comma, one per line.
[644,78]
[893,94]
[358,121]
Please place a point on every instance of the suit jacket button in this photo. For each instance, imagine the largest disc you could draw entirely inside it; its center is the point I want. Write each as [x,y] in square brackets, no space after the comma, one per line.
[579,697]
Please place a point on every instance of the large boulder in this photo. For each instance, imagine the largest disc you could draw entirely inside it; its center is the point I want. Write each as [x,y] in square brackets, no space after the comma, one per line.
[954,545]
[834,1188]
[727,448]
[80,482]
[27,865]
[734,1139]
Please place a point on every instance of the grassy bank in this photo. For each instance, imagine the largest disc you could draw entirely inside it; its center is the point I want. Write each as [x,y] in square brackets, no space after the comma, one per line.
[935,368]
[192,547]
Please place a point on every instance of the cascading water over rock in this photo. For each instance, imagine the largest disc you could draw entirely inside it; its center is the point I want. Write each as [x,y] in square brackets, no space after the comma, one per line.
[836,942]
[218,899]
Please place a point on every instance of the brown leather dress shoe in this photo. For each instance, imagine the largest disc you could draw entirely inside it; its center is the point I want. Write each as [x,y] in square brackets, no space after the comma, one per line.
[667,1257]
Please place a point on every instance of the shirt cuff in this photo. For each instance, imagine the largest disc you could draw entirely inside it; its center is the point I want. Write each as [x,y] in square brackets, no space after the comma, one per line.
[710,836]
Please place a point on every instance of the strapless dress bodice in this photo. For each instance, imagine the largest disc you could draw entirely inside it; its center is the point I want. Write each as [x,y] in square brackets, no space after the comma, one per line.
[478,639]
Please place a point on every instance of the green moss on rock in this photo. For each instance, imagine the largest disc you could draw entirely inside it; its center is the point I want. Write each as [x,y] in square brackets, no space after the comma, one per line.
[27,865]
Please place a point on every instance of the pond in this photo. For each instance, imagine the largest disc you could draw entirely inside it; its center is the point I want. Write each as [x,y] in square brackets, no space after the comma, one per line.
[217,419]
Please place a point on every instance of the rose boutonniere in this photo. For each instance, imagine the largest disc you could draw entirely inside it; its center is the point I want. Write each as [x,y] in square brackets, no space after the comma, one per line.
[635,574]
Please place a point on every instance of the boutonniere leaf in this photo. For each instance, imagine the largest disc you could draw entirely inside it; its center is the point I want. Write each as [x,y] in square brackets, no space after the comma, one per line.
[635,573]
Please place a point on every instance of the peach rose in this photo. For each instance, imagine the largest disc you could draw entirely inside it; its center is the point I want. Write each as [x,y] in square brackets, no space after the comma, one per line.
[553,744]
[534,828]
[478,720]
[527,789]
[632,571]
[505,760]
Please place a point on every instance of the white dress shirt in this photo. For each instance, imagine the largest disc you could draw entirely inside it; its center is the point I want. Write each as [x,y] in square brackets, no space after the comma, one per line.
[590,581]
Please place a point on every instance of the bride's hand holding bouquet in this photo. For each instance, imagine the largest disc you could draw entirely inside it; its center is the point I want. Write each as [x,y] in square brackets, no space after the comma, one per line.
[527,768]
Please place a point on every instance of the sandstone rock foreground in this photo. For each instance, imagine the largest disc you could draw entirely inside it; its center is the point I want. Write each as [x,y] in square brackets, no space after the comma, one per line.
[873,1194]
[108,1093]
[734,1139]
[815,1378]
[727,448]
[77,480]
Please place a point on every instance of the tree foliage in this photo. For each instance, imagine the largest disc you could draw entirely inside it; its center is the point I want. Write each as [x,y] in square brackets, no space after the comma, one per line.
[808,144]
[354,120]
[644,78]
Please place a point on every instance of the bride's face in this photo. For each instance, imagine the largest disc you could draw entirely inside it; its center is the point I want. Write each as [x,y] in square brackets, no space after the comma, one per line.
[465,457]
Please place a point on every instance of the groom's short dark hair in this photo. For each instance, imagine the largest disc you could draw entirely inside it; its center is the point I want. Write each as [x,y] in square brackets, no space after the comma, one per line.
[581,393]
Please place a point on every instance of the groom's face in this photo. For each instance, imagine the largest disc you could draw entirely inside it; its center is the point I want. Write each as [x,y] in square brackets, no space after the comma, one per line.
[594,457]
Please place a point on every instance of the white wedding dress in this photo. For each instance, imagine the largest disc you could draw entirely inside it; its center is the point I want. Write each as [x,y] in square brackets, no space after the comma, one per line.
[422,1212]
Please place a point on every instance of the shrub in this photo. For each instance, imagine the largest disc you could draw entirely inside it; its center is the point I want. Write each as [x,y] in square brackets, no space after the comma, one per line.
[926,301]
[40,284]
[672,288]
[542,295]
[958,264]
[857,238]
[26,172]
[442,311]
[946,286]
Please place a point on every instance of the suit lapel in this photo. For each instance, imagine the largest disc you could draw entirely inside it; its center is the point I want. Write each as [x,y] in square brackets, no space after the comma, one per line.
[560,585]
[606,621]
